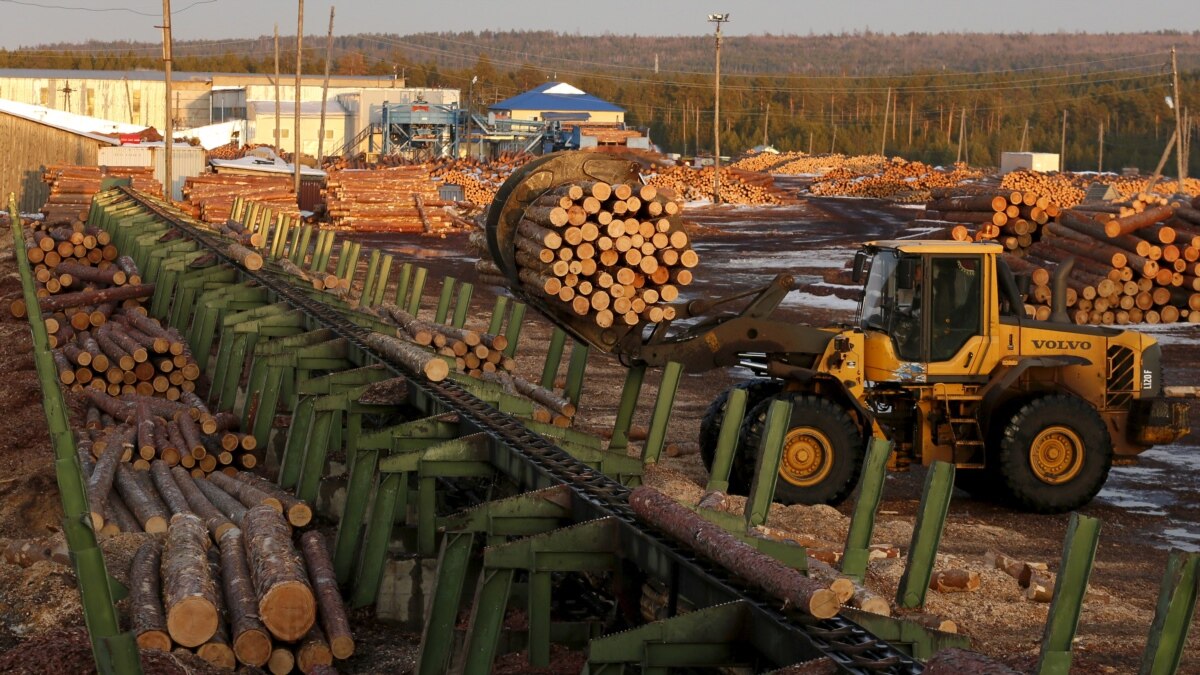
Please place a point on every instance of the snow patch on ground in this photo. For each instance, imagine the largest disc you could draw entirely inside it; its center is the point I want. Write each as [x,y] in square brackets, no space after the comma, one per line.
[1172,333]
[801,299]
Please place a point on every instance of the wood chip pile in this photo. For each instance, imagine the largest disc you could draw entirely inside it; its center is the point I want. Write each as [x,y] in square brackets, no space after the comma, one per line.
[72,188]
[898,179]
[737,186]
[210,197]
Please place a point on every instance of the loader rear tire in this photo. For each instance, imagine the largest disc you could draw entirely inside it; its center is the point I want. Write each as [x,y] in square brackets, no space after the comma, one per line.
[822,455]
[757,390]
[1055,453]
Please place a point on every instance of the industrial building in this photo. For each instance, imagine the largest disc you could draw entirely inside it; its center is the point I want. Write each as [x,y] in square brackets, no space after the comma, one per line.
[261,122]
[139,96]
[558,101]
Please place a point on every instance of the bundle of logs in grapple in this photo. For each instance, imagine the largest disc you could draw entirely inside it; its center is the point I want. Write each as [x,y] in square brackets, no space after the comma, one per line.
[1137,262]
[396,199]
[610,252]
[1012,218]
[210,196]
[72,188]
[235,584]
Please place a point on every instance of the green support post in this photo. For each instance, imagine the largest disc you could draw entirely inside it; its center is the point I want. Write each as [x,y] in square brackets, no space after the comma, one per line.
[443,306]
[236,213]
[516,319]
[462,304]
[384,271]
[487,618]
[927,534]
[318,249]
[418,287]
[327,251]
[656,437]
[1079,552]
[554,354]
[343,257]
[576,369]
[370,280]
[855,555]
[625,409]
[498,310]
[727,441]
[114,652]
[351,263]
[766,472]
[378,535]
[402,284]
[1172,615]
[452,563]
[294,244]
[301,251]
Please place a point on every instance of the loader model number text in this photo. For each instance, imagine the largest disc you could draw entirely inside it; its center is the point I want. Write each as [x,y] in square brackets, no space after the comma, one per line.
[1062,344]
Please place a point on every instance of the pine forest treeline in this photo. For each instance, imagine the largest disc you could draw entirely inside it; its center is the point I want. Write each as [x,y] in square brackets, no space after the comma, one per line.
[797,92]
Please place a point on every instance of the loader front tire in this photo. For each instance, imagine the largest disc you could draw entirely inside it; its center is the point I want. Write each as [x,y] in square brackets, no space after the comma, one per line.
[822,452]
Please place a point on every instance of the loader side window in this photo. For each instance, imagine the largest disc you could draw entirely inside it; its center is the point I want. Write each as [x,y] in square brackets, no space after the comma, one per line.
[956,309]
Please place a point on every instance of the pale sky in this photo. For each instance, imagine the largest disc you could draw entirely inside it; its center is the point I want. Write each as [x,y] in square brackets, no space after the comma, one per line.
[30,22]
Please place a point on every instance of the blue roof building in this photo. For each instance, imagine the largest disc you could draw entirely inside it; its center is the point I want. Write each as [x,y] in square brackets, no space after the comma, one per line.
[559,101]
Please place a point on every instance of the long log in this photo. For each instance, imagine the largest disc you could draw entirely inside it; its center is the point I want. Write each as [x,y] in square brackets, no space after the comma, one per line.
[215,519]
[298,512]
[313,651]
[141,498]
[55,303]
[217,650]
[247,494]
[189,591]
[168,489]
[333,611]
[412,357]
[148,619]
[232,509]
[251,260]
[954,581]
[1137,221]
[251,642]
[100,484]
[286,603]
[797,590]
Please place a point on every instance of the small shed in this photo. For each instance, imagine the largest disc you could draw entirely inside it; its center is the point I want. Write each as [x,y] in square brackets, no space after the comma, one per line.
[31,142]
[1032,161]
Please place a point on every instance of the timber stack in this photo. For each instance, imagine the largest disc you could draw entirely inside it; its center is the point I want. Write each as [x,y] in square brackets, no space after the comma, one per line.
[479,179]
[609,252]
[256,595]
[897,179]
[396,199]
[737,186]
[210,197]
[1012,218]
[72,188]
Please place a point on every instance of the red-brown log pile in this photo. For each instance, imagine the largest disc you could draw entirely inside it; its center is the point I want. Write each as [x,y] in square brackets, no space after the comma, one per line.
[72,188]
[611,253]
[479,179]
[395,199]
[737,186]
[897,179]
[254,596]
[209,197]
[1012,218]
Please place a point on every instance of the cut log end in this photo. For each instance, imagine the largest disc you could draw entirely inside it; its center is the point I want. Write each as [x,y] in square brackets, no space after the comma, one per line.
[288,610]
[192,621]
[154,639]
[155,524]
[253,648]
[824,604]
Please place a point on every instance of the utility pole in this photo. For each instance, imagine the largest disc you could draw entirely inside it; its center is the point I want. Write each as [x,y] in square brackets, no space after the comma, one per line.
[296,98]
[912,110]
[1024,134]
[685,116]
[717,19]
[962,131]
[1100,161]
[168,175]
[278,141]
[325,89]
[766,125]
[887,102]
[1179,151]
[1062,148]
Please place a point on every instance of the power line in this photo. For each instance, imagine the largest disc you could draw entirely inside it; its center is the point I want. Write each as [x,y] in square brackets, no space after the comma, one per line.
[100,10]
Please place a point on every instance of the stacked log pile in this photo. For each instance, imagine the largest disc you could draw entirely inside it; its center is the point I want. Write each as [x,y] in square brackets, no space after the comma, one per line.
[1134,263]
[1064,189]
[611,253]
[397,199]
[479,179]
[72,188]
[1012,218]
[820,164]
[210,197]
[255,595]
[766,161]
[899,180]
[737,186]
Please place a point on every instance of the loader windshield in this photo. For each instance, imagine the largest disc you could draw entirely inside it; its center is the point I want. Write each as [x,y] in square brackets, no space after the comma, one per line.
[878,301]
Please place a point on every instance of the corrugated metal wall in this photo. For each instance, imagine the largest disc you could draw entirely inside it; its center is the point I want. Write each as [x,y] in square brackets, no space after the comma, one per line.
[27,148]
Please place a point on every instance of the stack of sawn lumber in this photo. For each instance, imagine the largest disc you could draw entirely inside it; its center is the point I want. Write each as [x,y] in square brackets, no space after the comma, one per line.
[1137,262]
[608,252]
[72,188]
[210,197]
[396,199]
